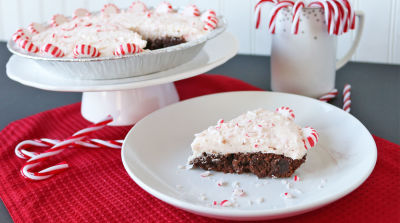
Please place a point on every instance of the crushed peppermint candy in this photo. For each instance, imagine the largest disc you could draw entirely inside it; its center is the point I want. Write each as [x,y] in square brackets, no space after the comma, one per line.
[287,195]
[226,203]
[206,174]
[235,184]
[221,183]
[260,200]
[296,178]
[239,192]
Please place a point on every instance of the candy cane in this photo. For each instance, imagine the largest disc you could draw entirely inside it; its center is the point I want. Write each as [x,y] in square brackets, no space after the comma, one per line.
[56,149]
[351,17]
[22,152]
[346,97]
[257,9]
[329,96]
[298,6]
[336,15]
[310,137]
[328,14]
[343,16]
[274,13]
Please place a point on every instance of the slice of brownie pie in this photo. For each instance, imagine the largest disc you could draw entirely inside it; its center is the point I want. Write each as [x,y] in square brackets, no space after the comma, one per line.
[265,143]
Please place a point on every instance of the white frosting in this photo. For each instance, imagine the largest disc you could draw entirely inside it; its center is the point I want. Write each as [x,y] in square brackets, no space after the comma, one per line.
[256,131]
[106,32]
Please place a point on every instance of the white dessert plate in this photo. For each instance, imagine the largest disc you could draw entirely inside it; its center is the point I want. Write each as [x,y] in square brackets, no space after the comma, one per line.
[156,146]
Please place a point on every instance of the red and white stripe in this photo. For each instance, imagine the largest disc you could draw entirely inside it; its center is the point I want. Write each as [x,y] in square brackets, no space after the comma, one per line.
[297,8]
[78,13]
[343,15]
[211,23]
[127,49]
[286,111]
[164,7]
[329,96]
[274,14]
[57,20]
[208,14]
[52,50]
[28,46]
[85,51]
[351,14]
[20,34]
[257,9]
[56,149]
[137,6]
[327,12]
[191,10]
[310,137]
[346,97]
[109,9]
[36,27]
[22,150]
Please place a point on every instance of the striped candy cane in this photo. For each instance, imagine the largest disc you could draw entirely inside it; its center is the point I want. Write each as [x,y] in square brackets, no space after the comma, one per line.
[329,96]
[298,6]
[274,14]
[257,9]
[56,149]
[343,16]
[328,14]
[21,150]
[352,16]
[346,97]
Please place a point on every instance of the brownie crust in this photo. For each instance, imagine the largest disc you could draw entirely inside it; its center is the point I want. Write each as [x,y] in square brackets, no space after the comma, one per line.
[153,44]
[260,164]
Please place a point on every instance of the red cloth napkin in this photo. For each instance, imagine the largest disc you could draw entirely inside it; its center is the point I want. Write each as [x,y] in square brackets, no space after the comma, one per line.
[97,188]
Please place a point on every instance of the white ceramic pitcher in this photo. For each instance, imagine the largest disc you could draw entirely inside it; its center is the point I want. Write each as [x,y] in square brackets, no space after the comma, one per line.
[306,63]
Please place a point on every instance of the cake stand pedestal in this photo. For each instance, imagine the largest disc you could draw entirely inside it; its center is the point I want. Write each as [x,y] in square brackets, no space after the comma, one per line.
[128,99]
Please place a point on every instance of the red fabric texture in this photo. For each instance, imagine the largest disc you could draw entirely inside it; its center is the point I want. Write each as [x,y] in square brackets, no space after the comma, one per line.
[97,188]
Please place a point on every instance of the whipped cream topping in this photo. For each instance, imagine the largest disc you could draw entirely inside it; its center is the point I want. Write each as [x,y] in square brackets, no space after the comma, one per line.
[107,31]
[255,131]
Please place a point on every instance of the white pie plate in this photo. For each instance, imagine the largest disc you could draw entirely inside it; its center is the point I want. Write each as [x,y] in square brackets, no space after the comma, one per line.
[155,147]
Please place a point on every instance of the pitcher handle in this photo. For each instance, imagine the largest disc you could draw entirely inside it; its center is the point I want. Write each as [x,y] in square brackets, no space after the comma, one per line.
[361,18]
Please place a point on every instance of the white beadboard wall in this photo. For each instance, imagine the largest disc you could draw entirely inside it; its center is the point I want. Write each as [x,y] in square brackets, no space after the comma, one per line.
[380,42]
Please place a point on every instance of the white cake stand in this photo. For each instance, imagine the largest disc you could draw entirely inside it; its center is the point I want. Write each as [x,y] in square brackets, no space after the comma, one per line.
[128,99]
